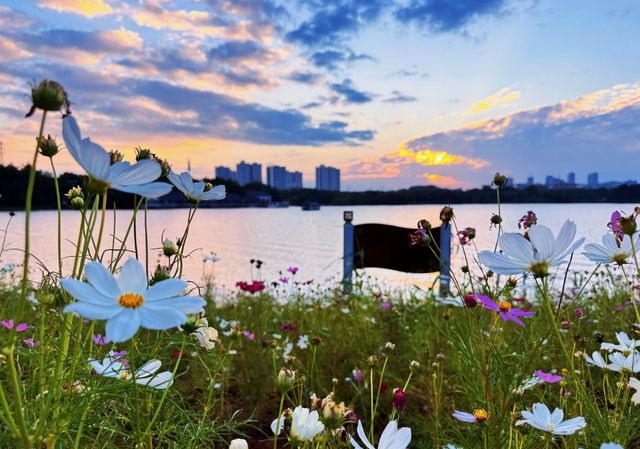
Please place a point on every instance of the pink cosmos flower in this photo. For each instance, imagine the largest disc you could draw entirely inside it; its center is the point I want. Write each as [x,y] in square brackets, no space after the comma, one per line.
[549,378]
[9,325]
[466,235]
[385,305]
[399,400]
[357,375]
[528,220]
[292,270]
[614,225]
[30,342]
[284,280]
[504,309]
[250,335]
[100,340]
[253,287]
[418,237]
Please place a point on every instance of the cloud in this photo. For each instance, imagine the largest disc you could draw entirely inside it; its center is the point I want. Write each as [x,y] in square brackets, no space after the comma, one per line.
[349,94]
[9,51]
[330,59]
[503,97]
[399,97]
[305,77]
[568,136]
[108,41]
[131,104]
[445,15]
[404,73]
[331,21]
[87,8]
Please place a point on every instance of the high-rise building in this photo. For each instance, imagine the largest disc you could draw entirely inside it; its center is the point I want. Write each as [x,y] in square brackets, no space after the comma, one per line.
[592,180]
[248,173]
[280,178]
[225,173]
[327,178]
[530,181]
[571,178]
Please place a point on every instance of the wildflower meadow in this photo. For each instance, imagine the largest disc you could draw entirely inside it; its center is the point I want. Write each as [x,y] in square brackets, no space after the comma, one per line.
[103,350]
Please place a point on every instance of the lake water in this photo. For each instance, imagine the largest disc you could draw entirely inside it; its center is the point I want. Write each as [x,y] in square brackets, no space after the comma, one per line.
[310,240]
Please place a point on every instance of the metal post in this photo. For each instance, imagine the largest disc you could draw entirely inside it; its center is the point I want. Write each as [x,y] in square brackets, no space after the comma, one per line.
[445,258]
[348,252]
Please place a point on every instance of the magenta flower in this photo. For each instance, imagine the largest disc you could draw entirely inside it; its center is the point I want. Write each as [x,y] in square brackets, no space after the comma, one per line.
[385,305]
[399,400]
[9,325]
[549,378]
[504,309]
[100,340]
[614,224]
[528,220]
[466,235]
[419,237]
[30,342]
[292,270]
[284,280]
[250,335]
[358,376]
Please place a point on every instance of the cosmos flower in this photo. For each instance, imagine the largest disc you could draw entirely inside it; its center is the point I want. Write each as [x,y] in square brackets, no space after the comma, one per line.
[196,191]
[504,309]
[391,438]
[103,175]
[126,302]
[612,250]
[625,344]
[536,255]
[541,418]
[549,378]
[478,415]
[10,325]
[305,424]
[115,366]
[239,443]
[100,340]
[292,270]
[253,287]
[610,446]
[635,384]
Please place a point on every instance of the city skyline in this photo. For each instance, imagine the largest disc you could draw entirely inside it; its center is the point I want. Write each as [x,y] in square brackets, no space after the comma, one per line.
[394,94]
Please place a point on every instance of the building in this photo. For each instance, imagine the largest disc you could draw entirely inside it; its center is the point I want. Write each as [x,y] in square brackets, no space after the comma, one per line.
[530,181]
[225,173]
[327,178]
[553,182]
[248,173]
[281,179]
[592,180]
[571,178]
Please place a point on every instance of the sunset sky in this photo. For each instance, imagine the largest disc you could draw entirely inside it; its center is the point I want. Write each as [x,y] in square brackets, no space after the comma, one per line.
[395,93]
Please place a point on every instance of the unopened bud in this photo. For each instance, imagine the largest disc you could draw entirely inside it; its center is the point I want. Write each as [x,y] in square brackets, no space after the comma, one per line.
[499,180]
[286,379]
[116,156]
[161,273]
[208,186]
[169,248]
[48,96]
[47,146]
[446,214]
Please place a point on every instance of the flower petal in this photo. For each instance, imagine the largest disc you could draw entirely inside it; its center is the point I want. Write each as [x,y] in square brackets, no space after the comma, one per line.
[96,160]
[186,304]
[123,326]
[101,279]
[142,172]
[151,190]
[500,264]
[132,278]
[85,292]
[92,311]
[165,289]
[217,193]
[161,318]
[542,240]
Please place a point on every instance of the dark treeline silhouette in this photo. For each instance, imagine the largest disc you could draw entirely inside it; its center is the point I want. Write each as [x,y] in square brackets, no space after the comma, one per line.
[13,182]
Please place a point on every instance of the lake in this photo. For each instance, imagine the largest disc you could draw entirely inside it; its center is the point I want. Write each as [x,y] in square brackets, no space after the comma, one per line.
[309,240]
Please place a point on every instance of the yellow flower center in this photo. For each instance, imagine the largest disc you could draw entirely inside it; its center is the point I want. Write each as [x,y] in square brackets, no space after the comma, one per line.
[504,306]
[130,300]
[481,414]
[125,375]
[539,269]
[620,258]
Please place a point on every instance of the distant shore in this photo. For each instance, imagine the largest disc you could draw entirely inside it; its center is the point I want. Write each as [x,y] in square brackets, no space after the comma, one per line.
[14,181]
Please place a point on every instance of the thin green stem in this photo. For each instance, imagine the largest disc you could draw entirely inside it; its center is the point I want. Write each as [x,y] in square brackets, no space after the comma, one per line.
[59,210]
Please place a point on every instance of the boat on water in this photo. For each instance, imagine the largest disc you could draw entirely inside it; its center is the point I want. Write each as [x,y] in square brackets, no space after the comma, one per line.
[310,205]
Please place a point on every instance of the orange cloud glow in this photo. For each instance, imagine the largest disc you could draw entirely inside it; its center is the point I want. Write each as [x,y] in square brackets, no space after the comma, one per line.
[87,8]
[430,158]
[503,97]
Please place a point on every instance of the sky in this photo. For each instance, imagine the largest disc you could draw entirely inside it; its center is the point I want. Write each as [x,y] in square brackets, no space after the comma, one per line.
[394,93]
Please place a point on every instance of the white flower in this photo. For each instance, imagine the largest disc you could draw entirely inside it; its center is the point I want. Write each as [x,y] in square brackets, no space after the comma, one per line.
[239,443]
[596,360]
[305,425]
[635,384]
[528,384]
[115,366]
[611,446]
[121,176]
[207,336]
[609,251]
[625,344]
[196,191]
[126,302]
[541,418]
[619,362]
[211,258]
[391,438]
[535,255]
[303,342]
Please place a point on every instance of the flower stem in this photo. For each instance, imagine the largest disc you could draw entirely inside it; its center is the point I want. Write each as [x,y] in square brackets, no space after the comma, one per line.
[59,207]
[27,214]
[275,438]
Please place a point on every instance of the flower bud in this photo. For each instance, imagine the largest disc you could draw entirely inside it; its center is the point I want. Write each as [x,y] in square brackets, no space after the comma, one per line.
[414,366]
[399,399]
[164,165]
[424,224]
[332,414]
[499,180]
[208,186]
[161,273]
[496,220]
[316,340]
[48,96]
[286,379]
[372,361]
[628,225]
[77,203]
[446,214]
[48,146]
[169,248]
[239,443]
[470,301]
[464,269]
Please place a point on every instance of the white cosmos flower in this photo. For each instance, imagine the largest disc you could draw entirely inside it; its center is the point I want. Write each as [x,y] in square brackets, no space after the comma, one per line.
[596,360]
[196,191]
[625,344]
[609,251]
[635,384]
[122,176]
[611,446]
[116,366]
[619,362]
[239,443]
[541,418]
[535,255]
[305,425]
[391,438]
[126,302]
